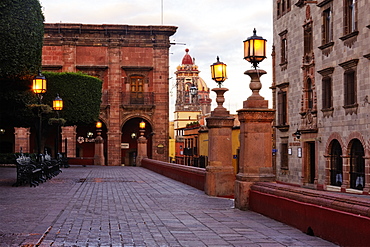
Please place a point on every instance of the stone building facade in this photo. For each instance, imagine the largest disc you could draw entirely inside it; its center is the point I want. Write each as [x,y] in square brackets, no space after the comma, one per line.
[320,90]
[133,63]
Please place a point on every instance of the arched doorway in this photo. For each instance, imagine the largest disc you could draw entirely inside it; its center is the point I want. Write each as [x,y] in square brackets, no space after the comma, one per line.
[130,133]
[336,164]
[357,165]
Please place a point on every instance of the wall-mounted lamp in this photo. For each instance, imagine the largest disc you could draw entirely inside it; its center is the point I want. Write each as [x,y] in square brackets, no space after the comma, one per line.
[297,134]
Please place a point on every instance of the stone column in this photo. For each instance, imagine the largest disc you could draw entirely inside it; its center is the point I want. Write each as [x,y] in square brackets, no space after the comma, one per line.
[114,133]
[142,150]
[255,159]
[99,150]
[346,170]
[220,175]
[69,140]
[366,189]
[22,139]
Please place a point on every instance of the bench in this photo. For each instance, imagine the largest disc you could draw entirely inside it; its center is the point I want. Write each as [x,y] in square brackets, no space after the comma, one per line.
[32,172]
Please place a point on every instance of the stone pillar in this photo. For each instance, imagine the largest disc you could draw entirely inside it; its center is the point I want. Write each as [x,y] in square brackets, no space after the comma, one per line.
[142,150]
[366,189]
[220,175]
[255,158]
[69,138]
[22,139]
[99,150]
[114,133]
[346,170]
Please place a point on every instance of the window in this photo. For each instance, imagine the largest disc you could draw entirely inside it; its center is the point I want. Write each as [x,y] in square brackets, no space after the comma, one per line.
[282,108]
[327,26]
[309,93]
[283,50]
[327,90]
[327,100]
[350,16]
[349,87]
[137,89]
[282,7]
[308,41]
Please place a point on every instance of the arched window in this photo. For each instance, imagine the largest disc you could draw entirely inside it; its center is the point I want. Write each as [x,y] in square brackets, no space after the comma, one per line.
[357,171]
[309,93]
[336,164]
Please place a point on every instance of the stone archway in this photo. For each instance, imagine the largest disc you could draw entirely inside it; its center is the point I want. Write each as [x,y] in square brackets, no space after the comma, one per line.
[130,133]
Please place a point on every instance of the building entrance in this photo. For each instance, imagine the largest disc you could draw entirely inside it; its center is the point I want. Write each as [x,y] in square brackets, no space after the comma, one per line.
[130,133]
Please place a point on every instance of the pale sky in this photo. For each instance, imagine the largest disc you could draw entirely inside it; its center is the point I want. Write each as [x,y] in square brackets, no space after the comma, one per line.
[209,28]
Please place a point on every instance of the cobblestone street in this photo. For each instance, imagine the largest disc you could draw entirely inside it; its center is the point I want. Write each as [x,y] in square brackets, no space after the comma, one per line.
[130,206]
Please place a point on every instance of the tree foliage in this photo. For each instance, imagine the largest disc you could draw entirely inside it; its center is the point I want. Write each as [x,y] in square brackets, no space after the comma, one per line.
[81,96]
[21,38]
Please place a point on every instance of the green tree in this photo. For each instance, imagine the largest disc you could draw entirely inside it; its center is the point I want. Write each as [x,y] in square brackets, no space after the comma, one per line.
[21,38]
[81,96]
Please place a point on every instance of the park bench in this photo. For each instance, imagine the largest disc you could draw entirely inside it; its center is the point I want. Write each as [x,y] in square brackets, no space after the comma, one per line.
[32,172]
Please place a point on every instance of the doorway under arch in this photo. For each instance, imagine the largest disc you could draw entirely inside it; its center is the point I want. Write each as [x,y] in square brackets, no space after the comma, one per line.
[357,165]
[336,164]
[130,133]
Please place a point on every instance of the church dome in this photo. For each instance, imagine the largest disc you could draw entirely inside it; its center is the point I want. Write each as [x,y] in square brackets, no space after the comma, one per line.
[202,86]
[187,58]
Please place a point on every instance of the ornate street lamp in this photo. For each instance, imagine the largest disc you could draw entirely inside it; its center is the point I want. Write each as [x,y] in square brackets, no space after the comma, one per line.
[218,71]
[142,127]
[57,106]
[39,84]
[193,90]
[98,125]
[39,88]
[255,49]
[297,134]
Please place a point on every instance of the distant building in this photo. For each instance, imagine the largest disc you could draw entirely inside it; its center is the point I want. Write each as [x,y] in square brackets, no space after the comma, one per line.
[193,103]
[321,92]
[133,63]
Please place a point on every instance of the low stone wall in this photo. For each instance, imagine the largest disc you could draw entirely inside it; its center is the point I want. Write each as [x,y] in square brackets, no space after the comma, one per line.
[81,161]
[189,175]
[340,218]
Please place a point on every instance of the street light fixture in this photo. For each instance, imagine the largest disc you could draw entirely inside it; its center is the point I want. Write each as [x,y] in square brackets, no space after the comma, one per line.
[57,106]
[98,125]
[193,90]
[142,125]
[255,49]
[218,71]
[39,88]
[39,84]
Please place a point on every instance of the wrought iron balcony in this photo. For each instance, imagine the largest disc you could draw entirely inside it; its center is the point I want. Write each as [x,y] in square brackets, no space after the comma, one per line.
[137,99]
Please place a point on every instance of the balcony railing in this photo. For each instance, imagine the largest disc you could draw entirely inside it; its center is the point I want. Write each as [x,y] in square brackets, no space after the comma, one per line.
[131,99]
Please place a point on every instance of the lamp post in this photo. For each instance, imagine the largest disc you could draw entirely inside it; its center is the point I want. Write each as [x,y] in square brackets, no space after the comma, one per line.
[218,72]
[99,145]
[255,49]
[193,92]
[57,106]
[255,157]
[39,88]
[141,144]
[220,175]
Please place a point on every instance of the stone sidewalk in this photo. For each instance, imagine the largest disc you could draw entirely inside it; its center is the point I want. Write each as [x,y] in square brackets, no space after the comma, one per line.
[130,206]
